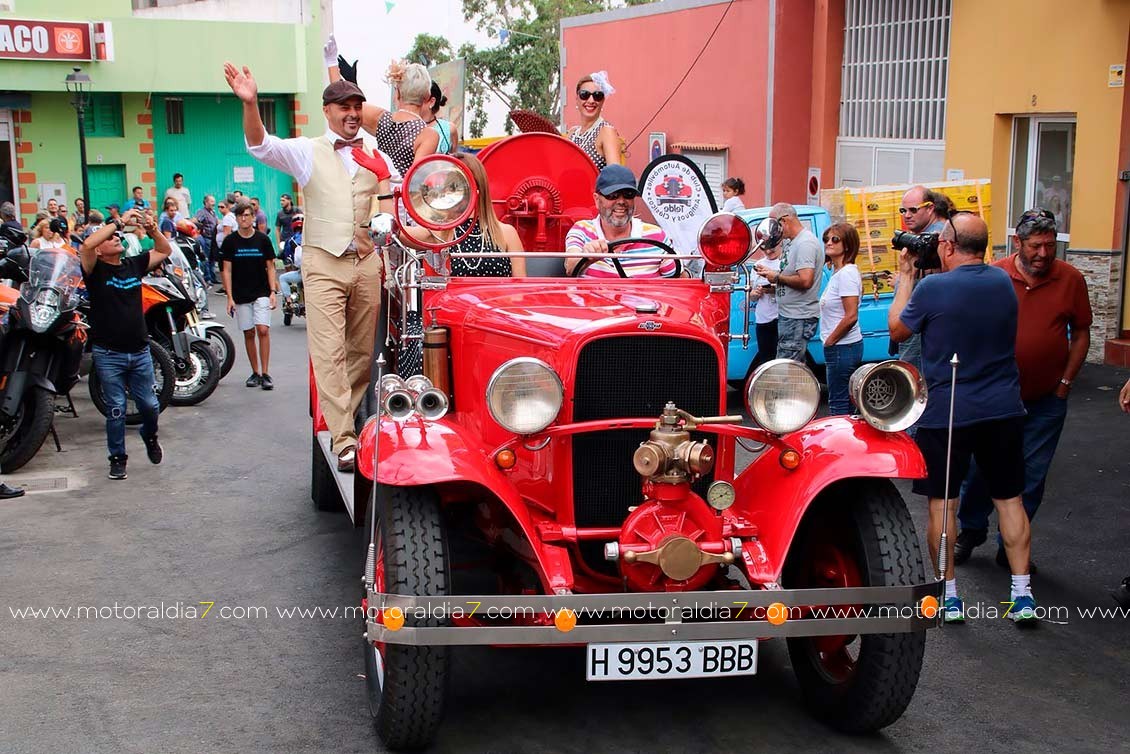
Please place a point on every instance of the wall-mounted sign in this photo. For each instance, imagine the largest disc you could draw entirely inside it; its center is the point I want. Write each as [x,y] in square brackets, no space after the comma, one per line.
[1117,76]
[812,187]
[656,144]
[243,174]
[45,40]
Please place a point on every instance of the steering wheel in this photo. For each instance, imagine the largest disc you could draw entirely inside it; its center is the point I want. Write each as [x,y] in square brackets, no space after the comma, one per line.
[588,262]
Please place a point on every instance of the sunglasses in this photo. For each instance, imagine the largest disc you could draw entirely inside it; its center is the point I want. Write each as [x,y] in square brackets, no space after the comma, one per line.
[584,94]
[1035,216]
[832,239]
[622,194]
[912,210]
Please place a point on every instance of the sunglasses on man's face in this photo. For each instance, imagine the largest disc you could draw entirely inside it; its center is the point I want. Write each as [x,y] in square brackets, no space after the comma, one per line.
[912,210]
[622,194]
[584,94]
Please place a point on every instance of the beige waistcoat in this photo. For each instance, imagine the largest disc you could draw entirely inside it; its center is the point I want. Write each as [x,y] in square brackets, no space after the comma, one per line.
[338,208]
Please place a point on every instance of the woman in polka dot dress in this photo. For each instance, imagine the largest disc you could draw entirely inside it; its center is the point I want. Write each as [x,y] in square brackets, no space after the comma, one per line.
[404,134]
[596,136]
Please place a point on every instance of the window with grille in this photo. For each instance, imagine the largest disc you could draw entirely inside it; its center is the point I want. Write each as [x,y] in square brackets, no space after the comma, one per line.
[104,116]
[174,116]
[896,55]
[267,114]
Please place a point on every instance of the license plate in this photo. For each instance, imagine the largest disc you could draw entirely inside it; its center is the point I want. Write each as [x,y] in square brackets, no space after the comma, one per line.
[688,659]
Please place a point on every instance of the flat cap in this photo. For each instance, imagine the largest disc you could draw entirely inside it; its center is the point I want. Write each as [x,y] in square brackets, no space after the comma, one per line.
[341,91]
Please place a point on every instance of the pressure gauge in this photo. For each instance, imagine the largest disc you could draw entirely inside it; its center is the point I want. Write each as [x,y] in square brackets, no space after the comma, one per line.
[720,495]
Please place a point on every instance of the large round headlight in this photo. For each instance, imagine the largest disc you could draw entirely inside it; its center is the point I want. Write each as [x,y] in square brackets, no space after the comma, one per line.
[782,396]
[440,191]
[524,395]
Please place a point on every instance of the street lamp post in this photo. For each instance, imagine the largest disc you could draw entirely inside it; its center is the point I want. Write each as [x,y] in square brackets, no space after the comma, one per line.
[78,85]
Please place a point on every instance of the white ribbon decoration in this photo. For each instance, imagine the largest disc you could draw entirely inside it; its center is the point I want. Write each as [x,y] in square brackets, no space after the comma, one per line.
[600,78]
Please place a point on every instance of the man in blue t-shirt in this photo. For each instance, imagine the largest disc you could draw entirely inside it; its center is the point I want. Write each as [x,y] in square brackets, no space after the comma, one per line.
[969,310]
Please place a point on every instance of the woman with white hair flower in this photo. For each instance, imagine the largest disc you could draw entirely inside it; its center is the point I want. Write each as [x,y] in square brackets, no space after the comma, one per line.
[403,135]
[596,136]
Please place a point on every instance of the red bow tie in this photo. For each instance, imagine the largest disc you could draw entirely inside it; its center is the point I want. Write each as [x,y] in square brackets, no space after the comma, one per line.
[343,144]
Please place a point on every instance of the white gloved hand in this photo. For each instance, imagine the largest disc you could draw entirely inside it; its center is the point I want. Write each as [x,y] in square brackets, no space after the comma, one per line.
[329,52]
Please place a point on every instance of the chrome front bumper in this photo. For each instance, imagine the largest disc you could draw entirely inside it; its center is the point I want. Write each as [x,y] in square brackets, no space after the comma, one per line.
[890,609]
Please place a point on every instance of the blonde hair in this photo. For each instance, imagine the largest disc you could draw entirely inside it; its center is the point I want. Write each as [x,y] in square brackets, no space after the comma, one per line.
[412,82]
[488,221]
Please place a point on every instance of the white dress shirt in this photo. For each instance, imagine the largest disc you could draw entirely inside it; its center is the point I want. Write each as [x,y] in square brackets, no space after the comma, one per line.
[295,157]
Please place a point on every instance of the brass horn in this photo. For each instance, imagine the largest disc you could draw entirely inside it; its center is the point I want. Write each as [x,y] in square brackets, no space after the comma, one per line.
[889,395]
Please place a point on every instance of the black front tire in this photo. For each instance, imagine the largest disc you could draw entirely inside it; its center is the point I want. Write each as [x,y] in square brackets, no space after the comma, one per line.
[203,367]
[32,424]
[164,381]
[224,348]
[407,685]
[866,520]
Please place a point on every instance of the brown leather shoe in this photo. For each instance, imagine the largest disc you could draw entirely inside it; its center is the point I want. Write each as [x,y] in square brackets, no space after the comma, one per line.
[346,459]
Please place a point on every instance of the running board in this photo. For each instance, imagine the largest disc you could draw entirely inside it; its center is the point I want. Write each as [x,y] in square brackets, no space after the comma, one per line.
[343,480]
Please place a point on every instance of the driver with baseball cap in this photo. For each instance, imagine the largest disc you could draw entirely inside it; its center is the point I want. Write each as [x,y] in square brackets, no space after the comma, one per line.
[615,198]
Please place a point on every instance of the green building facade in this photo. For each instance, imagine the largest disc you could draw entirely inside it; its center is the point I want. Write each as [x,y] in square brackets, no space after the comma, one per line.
[161,104]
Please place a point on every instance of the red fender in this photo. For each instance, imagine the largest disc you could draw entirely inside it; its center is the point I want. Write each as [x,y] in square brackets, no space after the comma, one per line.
[416,452]
[775,499]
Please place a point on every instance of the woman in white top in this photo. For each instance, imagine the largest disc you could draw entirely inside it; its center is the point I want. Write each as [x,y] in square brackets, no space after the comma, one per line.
[52,234]
[732,190]
[839,315]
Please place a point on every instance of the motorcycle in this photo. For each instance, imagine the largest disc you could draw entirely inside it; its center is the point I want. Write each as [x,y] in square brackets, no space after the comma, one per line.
[216,335]
[169,311]
[294,305]
[41,344]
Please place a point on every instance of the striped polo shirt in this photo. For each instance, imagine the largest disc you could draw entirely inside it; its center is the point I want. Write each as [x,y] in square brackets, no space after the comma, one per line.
[589,230]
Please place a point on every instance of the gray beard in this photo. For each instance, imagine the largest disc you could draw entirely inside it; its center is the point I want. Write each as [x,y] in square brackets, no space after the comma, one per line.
[616,223]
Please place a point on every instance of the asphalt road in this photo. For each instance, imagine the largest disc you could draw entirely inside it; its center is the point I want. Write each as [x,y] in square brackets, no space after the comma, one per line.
[227,520]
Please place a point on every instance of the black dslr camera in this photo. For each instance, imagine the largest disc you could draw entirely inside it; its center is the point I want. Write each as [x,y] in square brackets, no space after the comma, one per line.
[923,246]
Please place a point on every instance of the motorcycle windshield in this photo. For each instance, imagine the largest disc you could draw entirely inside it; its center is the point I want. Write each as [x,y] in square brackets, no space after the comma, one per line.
[180,267]
[56,269]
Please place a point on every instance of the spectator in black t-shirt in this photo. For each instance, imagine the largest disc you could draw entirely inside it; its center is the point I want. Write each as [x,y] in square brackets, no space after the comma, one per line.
[248,273]
[117,331]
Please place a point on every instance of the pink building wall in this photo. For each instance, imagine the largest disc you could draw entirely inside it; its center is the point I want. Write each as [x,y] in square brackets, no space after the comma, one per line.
[724,99]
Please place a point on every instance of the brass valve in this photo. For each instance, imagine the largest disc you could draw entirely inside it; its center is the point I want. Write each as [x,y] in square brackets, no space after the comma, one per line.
[669,455]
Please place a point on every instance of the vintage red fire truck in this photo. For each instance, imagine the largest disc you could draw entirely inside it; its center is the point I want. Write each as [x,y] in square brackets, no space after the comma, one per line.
[565,472]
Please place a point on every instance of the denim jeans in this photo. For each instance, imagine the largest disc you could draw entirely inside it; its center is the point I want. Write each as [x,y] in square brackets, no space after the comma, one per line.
[206,263]
[841,361]
[1042,427]
[793,336]
[287,279]
[766,342]
[910,350]
[118,371]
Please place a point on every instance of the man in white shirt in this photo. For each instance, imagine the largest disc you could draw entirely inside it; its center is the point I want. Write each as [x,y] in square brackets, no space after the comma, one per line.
[341,272]
[180,193]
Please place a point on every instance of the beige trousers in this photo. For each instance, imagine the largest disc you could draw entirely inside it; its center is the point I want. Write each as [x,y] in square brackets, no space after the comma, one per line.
[343,297]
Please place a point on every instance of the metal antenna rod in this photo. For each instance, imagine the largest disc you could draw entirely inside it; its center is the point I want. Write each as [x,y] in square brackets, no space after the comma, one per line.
[371,554]
[943,553]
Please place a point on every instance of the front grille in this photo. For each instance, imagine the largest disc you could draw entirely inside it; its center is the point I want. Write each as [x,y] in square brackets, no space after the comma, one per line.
[625,377]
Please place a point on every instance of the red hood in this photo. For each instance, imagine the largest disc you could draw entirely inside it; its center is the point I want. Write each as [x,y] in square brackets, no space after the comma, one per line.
[551,311]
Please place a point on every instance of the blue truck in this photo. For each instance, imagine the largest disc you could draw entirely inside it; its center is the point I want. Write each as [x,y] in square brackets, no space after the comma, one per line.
[872,310]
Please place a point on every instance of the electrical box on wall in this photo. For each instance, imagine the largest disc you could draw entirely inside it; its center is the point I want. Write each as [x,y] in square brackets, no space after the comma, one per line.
[56,191]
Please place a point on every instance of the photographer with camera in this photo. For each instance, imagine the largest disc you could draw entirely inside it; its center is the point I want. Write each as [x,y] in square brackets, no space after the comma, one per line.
[1051,345]
[798,289]
[923,211]
[969,310]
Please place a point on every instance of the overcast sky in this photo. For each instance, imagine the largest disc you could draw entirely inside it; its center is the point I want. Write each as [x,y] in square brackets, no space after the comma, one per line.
[365,31]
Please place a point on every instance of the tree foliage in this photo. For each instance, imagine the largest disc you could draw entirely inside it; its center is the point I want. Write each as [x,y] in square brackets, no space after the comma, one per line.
[524,71]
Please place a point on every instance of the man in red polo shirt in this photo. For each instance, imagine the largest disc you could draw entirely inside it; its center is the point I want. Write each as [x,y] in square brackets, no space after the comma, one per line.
[1052,338]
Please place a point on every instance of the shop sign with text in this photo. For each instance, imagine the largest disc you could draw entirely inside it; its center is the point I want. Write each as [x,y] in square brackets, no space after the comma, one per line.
[45,40]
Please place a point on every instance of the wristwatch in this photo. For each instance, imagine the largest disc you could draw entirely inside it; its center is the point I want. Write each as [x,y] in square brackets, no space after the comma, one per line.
[1064,381]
